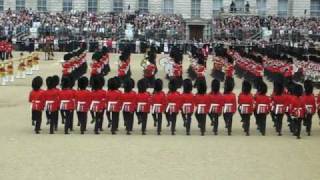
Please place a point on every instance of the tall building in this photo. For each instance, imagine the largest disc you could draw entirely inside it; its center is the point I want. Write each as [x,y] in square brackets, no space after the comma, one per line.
[197,13]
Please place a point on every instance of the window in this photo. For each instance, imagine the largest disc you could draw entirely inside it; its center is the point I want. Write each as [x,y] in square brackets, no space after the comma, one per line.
[143,5]
[1,5]
[42,5]
[92,5]
[67,5]
[315,8]
[240,5]
[262,7]
[20,5]
[282,7]
[117,5]
[217,6]
[195,8]
[167,6]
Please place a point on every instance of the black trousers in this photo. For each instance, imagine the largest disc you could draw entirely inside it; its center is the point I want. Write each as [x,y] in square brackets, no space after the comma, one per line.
[308,122]
[290,123]
[187,118]
[37,118]
[67,115]
[261,122]
[246,122]
[128,119]
[82,118]
[172,118]
[228,121]
[201,118]
[143,117]
[101,121]
[278,122]
[55,118]
[297,126]
[97,117]
[114,116]
[158,118]
[215,121]
[52,119]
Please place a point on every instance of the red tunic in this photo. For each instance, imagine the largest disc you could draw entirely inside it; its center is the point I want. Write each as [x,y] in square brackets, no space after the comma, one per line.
[279,104]
[229,70]
[229,103]
[51,98]
[310,103]
[83,100]
[67,100]
[216,100]
[245,102]
[150,70]
[158,102]
[298,107]
[36,99]
[187,103]
[98,102]
[177,70]
[143,102]
[113,100]
[173,102]
[262,104]
[129,101]
[202,103]
[123,68]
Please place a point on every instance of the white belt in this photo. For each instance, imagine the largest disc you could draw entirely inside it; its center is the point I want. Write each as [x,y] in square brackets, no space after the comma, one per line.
[140,106]
[170,105]
[185,106]
[93,104]
[111,103]
[47,105]
[200,107]
[62,103]
[156,107]
[243,106]
[278,106]
[213,107]
[226,106]
[309,108]
[124,105]
[261,106]
[79,104]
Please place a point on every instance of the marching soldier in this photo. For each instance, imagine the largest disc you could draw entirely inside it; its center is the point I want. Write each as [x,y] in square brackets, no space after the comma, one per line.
[216,105]
[124,65]
[129,104]
[262,107]
[113,102]
[36,99]
[83,101]
[245,101]
[202,103]
[95,66]
[176,71]
[143,100]
[98,103]
[55,82]
[187,102]
[67,102]
[173,105]
[310,101]
[51,98]
[230,104]
[9,49]
[298,110]
[158,104]
[278,106]
[150,67]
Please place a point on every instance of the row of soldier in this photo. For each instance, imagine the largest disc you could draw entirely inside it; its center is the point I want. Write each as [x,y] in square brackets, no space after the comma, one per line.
[298,104]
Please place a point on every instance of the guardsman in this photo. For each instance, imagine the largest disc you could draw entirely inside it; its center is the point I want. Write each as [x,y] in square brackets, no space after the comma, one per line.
[262,107]
[143,100]
[9,49]
[98,103]
[158,104]
[129,104]
[67,103]
[176,71]
[150,67]
[124,65]
[216,104]
[245,101]
[298,110]
[278,105]
[105,60]
[187,104]
[113,103]
[83,101]
[51,98]
[95,66]
[36,99]
[310,102]
[173,105]
[202,103]
[229,104]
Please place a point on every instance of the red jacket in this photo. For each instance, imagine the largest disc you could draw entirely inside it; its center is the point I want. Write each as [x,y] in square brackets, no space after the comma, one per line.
[229,103]
[245,102]
[187,103]
[113,100]
[158,102]
[51,99]
[279,104]
[150,70]
[67,100]
[129,101]
[173,102]
[83,100]
[143,102]
[310,102]
[202,103]
[216,100]
[177,70]
[262,104]
[98,102]
[36,99]
[298,107]
[123,68]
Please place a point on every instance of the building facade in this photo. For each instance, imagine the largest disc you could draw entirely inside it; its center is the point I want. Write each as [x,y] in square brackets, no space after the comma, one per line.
[197,13]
